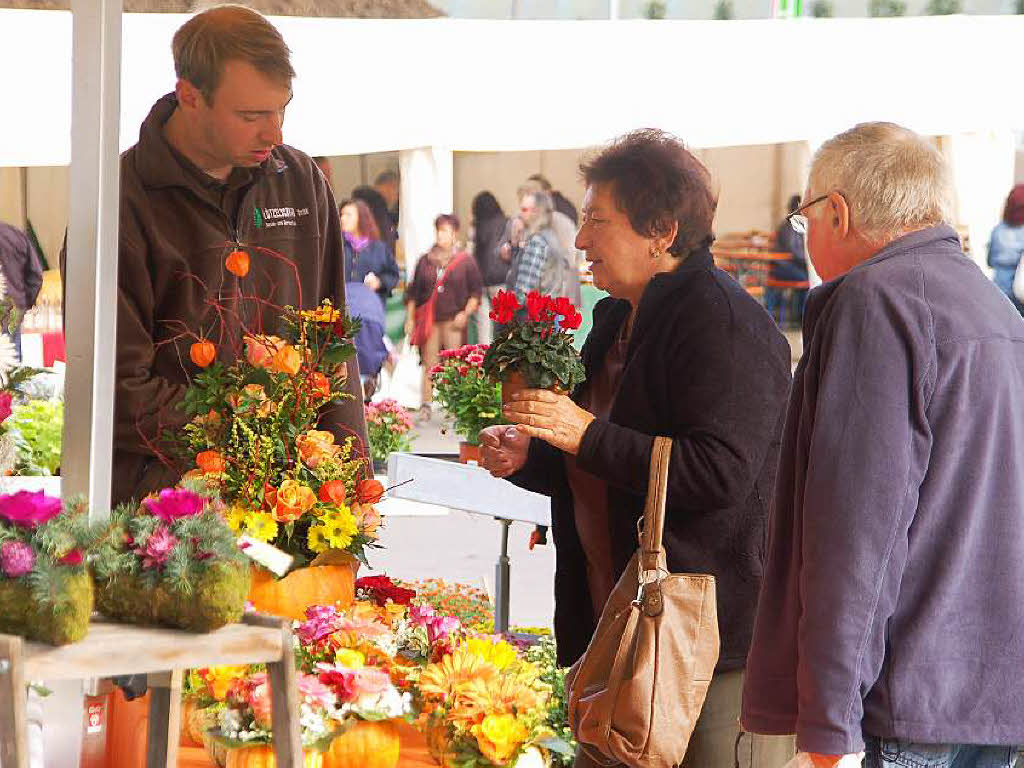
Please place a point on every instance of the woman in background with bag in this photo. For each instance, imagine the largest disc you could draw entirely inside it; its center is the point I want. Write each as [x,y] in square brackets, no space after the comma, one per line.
[677,350]
[441,297]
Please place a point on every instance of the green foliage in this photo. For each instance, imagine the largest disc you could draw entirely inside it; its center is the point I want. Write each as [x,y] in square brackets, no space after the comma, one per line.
[887,8]
[822,9]
[723,10]
[944,7]
[37,428]
[544,655]
[1020,8]
[544,359]
[655,9]
[467,394]
[200,584]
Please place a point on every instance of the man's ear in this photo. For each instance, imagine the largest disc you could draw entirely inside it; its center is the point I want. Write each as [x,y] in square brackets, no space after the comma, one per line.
[839,214]
[189,97]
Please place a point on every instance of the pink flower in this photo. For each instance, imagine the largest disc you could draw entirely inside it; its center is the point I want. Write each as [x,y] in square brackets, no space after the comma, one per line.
[28,509]
[314,691]
[321,620]
[442,627]
[175,503]
[350,684]
[16,558]
[421,615]
[463,369]
[157,549]
[5,405]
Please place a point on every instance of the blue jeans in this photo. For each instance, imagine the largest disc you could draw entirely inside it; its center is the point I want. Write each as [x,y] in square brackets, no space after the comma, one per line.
[893,753]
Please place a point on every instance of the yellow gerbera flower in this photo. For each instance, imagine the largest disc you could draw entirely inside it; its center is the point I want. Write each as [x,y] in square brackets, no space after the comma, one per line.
[261,525]
[236,517]
[501,654]
[339,527]
[450,676]
[316,540]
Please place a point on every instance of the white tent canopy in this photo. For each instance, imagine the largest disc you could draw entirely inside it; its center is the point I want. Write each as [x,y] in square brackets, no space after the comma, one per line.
[491,86]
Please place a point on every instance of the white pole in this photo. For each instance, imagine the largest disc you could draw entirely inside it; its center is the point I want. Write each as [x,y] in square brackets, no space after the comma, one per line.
[91,271]
[613,9]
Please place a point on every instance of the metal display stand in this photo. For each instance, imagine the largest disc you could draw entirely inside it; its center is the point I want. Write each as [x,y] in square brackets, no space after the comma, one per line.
[471,489]
[116,649]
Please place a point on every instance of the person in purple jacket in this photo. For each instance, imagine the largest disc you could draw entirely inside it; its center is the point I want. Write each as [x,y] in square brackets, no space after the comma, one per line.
[891,614]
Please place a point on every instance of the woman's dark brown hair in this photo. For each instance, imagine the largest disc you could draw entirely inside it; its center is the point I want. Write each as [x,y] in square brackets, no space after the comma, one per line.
[656,181]
[1013,213]
[367,226]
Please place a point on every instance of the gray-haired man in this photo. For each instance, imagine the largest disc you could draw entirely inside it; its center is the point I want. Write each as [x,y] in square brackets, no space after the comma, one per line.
[891,617]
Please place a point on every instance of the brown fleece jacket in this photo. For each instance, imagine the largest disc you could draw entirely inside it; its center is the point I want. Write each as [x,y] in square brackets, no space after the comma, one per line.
[177,225]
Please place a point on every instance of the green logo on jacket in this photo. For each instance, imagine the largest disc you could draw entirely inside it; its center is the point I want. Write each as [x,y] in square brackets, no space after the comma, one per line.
[257,217]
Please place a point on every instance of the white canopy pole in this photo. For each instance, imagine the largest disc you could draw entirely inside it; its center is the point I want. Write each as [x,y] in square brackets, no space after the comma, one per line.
[91,272]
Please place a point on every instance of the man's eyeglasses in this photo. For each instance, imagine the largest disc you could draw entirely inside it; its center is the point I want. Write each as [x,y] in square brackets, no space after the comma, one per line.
[797,220]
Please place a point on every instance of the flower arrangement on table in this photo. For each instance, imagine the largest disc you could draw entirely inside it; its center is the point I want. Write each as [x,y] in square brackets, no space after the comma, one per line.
[388,425]
[483,705]
[253,435]
[204,692]
[244,723]
[45,590]
[171,561]
[464,390]
[533,347]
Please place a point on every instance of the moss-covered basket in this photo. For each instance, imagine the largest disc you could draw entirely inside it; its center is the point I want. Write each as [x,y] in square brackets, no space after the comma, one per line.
[66,622]
[217,598]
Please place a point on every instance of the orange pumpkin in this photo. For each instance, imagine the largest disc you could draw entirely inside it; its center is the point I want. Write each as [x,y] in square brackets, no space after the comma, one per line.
[365,745]
[262,756]
[237,263]
[202,353]
[316,585]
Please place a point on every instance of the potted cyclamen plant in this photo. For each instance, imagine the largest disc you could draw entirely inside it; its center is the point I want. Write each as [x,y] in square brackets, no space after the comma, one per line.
[533,348]
[468,394]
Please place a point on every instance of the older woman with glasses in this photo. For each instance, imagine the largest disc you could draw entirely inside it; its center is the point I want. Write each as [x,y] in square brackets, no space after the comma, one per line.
[679,350]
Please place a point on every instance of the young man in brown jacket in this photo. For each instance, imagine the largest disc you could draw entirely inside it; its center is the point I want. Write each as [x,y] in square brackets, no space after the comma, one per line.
[210,174]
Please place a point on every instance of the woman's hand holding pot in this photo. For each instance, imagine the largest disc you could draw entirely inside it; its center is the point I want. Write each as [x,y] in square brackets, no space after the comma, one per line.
[554,418]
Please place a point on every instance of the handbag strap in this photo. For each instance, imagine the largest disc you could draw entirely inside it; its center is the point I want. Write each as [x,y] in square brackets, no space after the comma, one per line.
[654,512]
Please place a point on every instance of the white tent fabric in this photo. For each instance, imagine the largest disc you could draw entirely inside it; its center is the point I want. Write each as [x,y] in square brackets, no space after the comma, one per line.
[492,85]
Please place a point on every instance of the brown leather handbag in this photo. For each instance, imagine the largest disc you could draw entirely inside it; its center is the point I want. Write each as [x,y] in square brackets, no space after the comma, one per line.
[635,695]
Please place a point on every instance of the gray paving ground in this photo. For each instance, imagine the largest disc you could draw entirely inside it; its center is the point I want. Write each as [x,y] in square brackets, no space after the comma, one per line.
[459,546]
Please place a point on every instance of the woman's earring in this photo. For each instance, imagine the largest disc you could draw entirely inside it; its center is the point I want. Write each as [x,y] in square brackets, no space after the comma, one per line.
[655,253]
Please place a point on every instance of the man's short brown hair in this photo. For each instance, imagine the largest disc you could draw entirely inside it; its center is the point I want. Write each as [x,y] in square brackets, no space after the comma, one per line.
[207,41]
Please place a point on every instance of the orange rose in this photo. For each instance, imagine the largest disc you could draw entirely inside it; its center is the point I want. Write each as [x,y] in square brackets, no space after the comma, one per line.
[367,518]
[315,446]
[210,461]
[292,500]
[369,491]
[286,360]
[260,350]
[333,492]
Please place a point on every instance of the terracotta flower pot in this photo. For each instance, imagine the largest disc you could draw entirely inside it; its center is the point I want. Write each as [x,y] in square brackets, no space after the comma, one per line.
[314,585]
[516,382]
[469,453]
